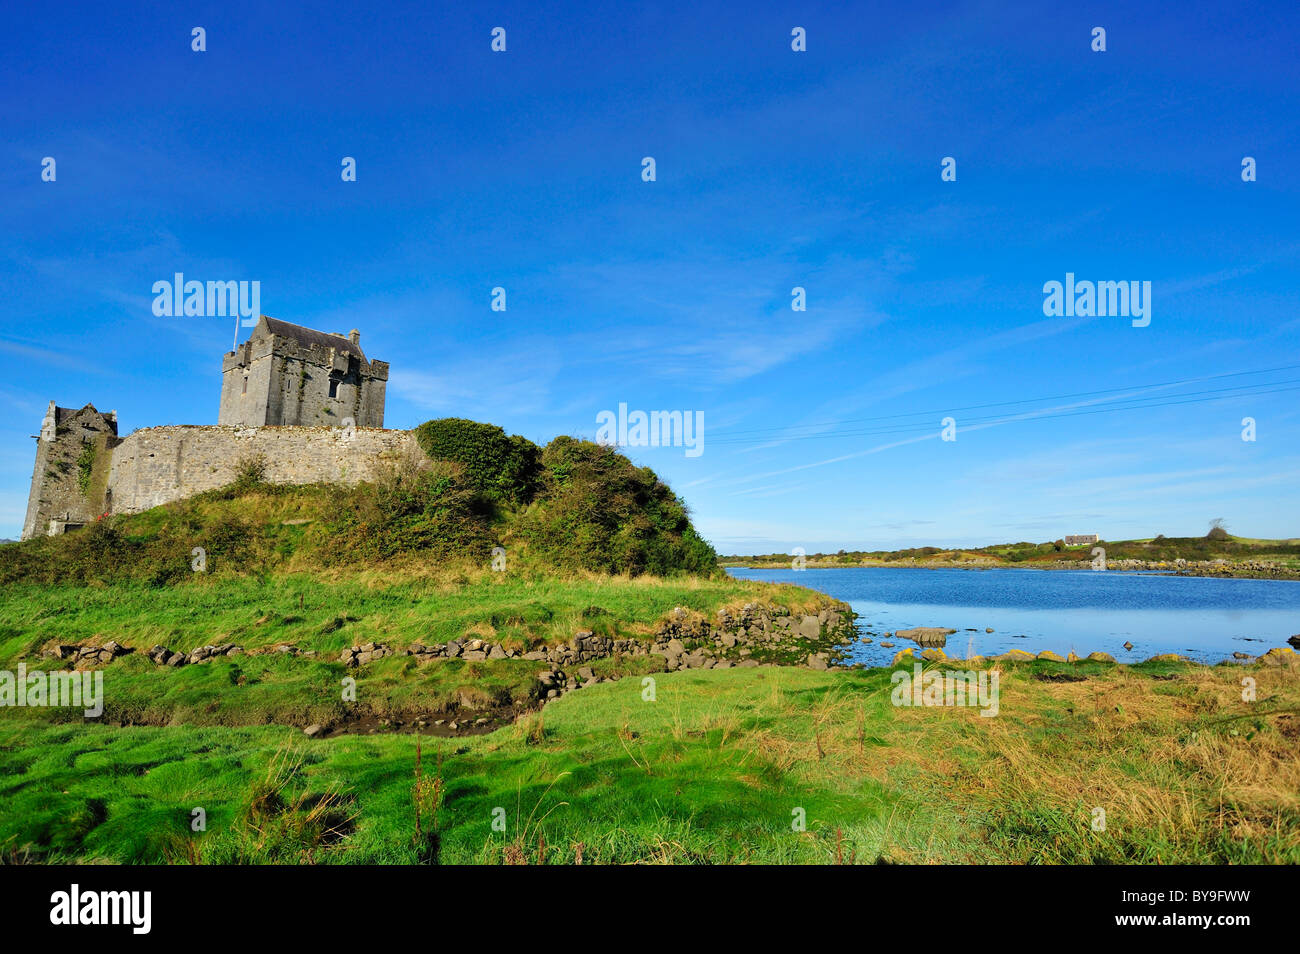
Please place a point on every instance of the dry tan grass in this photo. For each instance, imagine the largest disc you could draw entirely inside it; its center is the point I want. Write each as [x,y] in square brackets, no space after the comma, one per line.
[1157,755]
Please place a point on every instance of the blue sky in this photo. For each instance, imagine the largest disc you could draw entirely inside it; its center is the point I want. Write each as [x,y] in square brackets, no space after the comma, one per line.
[774,169]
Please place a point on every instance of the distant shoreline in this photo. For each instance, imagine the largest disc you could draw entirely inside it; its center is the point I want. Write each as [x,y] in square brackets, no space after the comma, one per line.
[1208,569]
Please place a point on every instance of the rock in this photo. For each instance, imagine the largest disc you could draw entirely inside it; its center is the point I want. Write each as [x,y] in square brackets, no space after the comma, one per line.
[675,647]
[1128,646]
[1070,657]
[926,635]
[1241,655]
[818,660]
[1101,657]
[989,629]
[1167,657]
[933,654]
[535,655]
[1294,640]
[902,655]
[474,654]
[866,639]
[176,659]
[1014,654]
[1280,656]
[887,645]
[497,653]
[313,730]
[809,627]
[1050,656]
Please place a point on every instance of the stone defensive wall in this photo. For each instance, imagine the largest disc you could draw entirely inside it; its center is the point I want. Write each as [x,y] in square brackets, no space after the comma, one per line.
[156,465]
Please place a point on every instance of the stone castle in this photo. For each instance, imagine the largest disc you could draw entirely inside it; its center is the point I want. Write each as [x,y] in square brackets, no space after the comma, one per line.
[309,405]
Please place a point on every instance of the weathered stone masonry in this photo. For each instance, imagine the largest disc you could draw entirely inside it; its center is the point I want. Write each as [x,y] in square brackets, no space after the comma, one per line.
[310,405]
[156,465]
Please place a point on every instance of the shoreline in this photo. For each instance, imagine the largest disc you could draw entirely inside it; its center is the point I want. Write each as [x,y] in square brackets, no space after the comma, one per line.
[1203,569]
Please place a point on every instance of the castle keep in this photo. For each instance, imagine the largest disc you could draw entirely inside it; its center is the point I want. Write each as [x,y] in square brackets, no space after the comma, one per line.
[309,404]
[290,375]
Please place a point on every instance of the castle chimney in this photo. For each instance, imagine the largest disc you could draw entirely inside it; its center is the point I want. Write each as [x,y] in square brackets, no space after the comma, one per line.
[355,337]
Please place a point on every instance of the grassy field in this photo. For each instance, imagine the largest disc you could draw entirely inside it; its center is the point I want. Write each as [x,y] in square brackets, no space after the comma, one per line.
[716,769]
[325,617]
[328,614]
[762,764]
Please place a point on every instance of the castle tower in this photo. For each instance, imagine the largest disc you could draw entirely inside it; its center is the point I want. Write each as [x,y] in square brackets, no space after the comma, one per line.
[285,374]
[70,480]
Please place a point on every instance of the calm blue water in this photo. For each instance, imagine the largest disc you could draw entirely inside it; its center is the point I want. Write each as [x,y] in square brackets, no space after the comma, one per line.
[1061,610]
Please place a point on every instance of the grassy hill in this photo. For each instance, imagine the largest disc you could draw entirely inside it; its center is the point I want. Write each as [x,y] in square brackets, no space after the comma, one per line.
[572,506]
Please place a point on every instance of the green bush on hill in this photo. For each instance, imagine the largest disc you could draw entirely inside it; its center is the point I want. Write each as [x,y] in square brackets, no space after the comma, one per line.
[597,511]
[434,513]
[495,463]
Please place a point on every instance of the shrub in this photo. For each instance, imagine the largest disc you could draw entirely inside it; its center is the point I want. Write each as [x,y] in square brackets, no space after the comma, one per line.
[430,512]
[499,465]
[597,511]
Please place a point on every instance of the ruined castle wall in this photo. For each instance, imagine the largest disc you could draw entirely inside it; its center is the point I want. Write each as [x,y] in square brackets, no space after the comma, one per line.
[59,498]
[156,465]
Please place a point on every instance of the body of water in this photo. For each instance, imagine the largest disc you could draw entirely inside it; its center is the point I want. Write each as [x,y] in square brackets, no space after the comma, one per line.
[1204,618]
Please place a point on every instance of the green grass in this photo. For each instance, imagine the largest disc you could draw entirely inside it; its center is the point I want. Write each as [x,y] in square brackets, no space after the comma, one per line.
[326,617]
[711,771]
[329,615]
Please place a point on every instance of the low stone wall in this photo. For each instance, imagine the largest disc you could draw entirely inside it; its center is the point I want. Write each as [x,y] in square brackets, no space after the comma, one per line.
[157,465]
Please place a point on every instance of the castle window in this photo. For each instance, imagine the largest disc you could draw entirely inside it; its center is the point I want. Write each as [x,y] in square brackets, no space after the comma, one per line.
[245,391]
[334,387]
